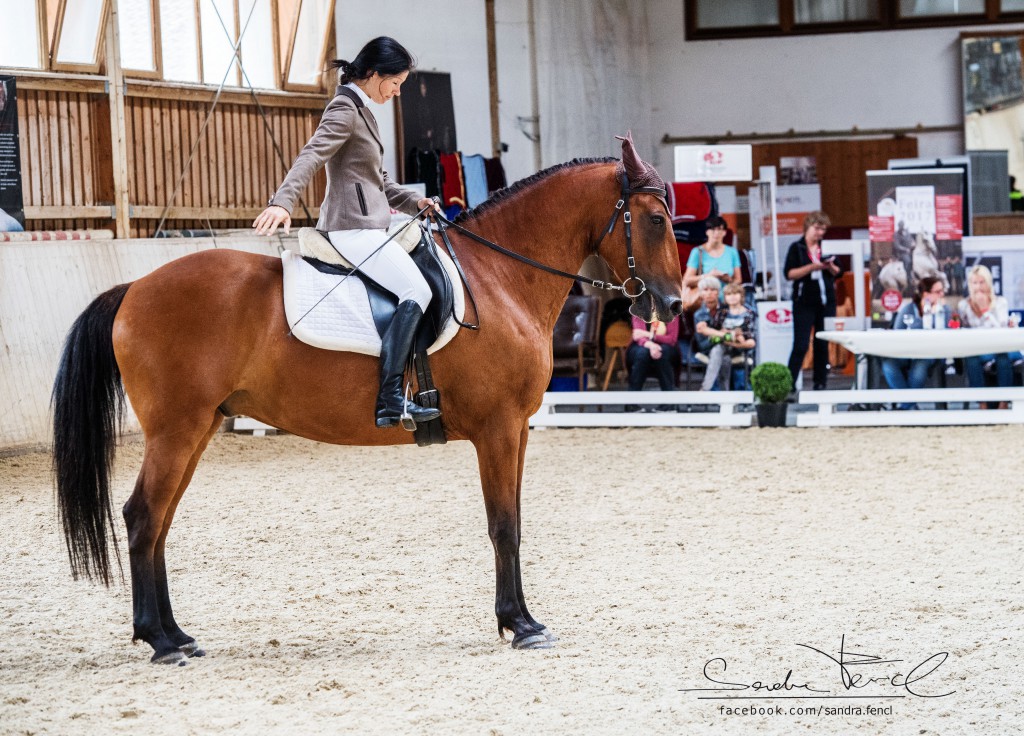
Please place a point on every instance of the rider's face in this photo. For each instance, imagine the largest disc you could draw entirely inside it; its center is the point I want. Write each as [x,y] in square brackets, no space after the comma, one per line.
[382,88]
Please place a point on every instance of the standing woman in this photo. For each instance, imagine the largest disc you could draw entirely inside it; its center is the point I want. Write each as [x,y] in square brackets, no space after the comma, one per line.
[356,210]
[814,296]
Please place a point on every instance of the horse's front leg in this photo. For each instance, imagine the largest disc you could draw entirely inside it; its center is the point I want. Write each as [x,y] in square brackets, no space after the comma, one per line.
[498,453]
[524,436]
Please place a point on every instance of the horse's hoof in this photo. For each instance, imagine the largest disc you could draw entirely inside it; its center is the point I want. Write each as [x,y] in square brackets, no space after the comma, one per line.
[175,657]
[531,641]
[192,650]
[546,632]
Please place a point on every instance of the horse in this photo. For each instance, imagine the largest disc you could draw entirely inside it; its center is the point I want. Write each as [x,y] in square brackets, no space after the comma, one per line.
[893,276]
[926,259]
[204,337]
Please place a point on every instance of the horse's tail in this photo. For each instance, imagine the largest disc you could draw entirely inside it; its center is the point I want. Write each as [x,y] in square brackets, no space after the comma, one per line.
[88,404]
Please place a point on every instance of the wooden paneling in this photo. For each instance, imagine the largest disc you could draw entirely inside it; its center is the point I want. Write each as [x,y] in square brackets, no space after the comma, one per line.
[66,161]
[58,137]
[1008,224]
[841,170]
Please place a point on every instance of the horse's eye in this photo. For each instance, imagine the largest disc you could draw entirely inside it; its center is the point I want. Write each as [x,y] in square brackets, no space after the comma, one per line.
[658,219]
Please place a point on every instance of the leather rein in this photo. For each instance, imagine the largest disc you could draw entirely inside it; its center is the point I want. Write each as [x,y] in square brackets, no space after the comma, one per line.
[621,207]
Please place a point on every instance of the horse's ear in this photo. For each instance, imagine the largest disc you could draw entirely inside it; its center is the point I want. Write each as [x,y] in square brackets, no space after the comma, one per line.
[635,167]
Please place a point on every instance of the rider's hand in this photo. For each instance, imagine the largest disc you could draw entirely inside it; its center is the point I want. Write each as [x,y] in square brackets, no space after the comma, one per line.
[269,219]
[429,202]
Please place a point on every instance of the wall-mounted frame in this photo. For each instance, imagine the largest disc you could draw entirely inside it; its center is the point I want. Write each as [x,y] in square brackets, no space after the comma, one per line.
[993,95]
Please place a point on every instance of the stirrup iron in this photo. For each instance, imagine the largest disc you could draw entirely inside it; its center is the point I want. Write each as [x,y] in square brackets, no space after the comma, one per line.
[408,423]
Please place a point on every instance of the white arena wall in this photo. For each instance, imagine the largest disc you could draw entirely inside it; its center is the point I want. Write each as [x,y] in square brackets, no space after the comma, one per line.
[45,286]
[889,79]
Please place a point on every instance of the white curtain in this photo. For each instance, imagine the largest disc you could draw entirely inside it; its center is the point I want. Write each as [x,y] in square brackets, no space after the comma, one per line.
[592,77]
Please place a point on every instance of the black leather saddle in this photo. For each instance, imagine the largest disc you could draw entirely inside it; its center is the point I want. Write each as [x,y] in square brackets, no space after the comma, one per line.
[383,303]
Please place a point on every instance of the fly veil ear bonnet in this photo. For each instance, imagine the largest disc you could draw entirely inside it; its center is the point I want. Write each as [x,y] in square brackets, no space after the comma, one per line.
[638,172]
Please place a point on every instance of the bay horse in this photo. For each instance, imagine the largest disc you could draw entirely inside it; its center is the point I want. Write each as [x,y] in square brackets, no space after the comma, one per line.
[204,337]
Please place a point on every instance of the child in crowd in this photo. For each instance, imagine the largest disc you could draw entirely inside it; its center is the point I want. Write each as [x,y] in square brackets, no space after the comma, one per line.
[731,331]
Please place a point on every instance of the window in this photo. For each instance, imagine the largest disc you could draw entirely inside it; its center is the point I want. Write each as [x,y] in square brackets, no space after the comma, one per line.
[746,18]
[740,13]
[176,40]
[20,47]
[78,39]
[179,43]
[135,24]
[838,11]
[917,8]
[308,46]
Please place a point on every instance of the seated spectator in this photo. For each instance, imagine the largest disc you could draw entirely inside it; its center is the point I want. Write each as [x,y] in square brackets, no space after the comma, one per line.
[654,351]
[710,303]
[731,331]
[926,307]
[982,309]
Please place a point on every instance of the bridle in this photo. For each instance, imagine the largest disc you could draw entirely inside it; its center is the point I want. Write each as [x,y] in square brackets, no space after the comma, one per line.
[621,207]
[627,220]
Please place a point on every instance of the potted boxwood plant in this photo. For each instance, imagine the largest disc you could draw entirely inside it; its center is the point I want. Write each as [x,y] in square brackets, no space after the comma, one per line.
[771,383]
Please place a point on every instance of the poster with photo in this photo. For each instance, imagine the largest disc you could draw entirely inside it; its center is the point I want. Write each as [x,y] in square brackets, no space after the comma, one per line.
[915,224]
[798,170]
[10,152]
[792,205]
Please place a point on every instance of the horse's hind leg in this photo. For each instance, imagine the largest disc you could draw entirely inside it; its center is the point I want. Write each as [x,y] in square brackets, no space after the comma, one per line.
[165,467]
[184,642]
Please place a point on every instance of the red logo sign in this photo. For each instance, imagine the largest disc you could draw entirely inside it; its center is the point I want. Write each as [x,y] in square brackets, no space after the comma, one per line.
[714,158]
[891,300]
[779,316]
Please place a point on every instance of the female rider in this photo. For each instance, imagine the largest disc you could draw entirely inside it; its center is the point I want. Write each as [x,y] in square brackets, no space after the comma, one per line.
[356,210]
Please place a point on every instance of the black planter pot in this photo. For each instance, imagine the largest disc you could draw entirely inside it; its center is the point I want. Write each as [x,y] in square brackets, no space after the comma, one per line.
[771,415]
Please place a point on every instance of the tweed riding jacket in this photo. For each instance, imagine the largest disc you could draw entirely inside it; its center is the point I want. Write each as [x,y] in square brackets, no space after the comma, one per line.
[360,194]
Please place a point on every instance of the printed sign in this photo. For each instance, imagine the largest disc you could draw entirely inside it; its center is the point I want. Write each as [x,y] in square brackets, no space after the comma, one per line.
[916,230]
[714,163]
[10,151]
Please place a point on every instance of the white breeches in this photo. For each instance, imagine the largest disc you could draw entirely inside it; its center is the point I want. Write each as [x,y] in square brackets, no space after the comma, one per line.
[391,266]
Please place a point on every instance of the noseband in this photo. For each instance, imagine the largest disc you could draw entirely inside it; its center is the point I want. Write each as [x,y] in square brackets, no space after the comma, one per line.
[622,206]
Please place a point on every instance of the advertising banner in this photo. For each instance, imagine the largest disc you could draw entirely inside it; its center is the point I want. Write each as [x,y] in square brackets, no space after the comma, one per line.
[714,163]
[915,223]
[792,205]
[10,152]
[774,331]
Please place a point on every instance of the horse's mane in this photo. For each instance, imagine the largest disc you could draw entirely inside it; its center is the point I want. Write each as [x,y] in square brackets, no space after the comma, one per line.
[502,194]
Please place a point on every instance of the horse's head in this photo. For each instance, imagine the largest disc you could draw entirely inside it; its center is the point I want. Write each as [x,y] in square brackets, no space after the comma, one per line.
[654,282]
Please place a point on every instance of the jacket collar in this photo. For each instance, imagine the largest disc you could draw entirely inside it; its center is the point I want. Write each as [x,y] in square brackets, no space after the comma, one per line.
[350,93]
[371,124]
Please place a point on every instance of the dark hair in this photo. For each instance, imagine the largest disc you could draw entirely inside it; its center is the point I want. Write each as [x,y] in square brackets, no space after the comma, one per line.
[925,285]
[383,55]
[715,221]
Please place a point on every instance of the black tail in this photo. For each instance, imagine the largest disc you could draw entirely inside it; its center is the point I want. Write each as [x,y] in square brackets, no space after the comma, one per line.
[88,404]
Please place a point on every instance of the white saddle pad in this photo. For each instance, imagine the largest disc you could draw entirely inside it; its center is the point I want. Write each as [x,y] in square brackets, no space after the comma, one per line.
[343,321]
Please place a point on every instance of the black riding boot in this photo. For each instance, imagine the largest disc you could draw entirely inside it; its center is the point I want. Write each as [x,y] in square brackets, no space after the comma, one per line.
[396,346]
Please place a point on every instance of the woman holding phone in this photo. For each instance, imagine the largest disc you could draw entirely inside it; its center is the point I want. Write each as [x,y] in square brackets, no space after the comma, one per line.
[814,295]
